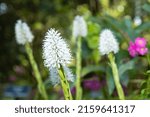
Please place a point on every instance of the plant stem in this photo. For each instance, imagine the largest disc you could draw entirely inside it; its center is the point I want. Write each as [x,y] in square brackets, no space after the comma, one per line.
[41,86]
[148,80]
[78,69]
[148,85]
[65,85]
[148,59]
[116,76]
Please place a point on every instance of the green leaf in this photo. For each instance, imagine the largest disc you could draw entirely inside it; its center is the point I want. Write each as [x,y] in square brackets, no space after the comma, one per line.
[126,66]
[127,22]
[146,7]
[91,68]
[110,81]
[93,28]
[124,27]
[93,42]
[113,22]
[148,72]
[124,79]
[93,35]
[96,56]
[142,27]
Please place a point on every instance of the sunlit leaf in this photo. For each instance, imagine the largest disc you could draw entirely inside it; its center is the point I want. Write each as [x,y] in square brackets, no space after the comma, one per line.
[96,56]
[93,42]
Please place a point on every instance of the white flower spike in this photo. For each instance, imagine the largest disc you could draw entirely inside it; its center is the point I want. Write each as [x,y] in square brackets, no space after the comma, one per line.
[56,53]
[79,27]
[23,33]
[55,50]
[108,42]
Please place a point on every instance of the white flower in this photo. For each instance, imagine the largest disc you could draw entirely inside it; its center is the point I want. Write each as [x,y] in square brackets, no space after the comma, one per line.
[55,78]
[55,50]
[23,33]
[79,27]
[56,53]
[108,42]
[137,20]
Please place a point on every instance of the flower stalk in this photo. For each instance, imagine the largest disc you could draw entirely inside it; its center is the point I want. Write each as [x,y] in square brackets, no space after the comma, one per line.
[116,76]
[64,84]
[41,86]
[148,80]
[78,71]
[148,85]
[79,31]
[24,37]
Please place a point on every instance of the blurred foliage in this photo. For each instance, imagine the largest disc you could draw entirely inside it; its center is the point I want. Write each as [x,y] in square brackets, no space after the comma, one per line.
[117,15]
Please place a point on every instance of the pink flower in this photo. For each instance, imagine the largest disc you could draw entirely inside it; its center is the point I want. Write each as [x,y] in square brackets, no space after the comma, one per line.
[132,49]
[140,42]
[142,51]
[138,48]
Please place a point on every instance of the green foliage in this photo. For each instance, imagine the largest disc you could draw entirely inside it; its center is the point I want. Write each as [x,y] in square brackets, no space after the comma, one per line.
[110,81]
[146,7]
[99,14]
[91,68]
[126,66]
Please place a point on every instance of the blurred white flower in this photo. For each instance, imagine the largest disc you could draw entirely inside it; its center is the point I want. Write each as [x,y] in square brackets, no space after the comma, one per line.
[55,78]
[137,20]
[3,8]
[23,33]
[55,50]
[79,27]
[108,42]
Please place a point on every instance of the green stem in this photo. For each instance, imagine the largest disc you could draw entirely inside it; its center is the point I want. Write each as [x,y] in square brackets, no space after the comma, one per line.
[148,59]
[116,76]
[148,85]
[148,80]
[72,40]
[78,70]
[65,85]
[41,87]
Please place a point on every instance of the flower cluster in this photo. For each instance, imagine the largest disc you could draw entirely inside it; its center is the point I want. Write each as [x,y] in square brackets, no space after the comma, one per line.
[138,47]
[23,33]
[108,42]
[79,27]
[56,53]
